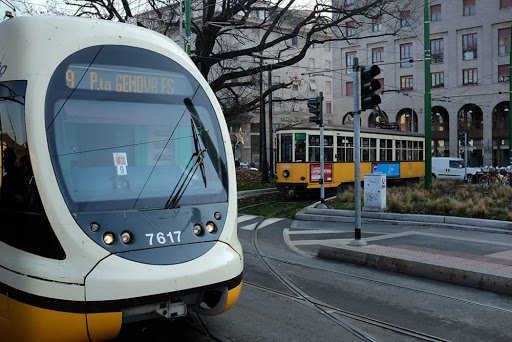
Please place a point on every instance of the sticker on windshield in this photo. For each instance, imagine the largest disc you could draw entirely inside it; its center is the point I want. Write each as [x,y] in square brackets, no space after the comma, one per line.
[121,163]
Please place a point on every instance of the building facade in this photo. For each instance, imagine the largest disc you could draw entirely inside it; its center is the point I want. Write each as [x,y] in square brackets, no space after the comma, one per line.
[470,48]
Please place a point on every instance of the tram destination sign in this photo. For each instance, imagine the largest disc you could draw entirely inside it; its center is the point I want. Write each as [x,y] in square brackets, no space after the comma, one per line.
[126,80]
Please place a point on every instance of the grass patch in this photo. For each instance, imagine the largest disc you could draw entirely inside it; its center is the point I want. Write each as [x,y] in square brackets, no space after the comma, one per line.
[278,204]
[444,197]
[251,180]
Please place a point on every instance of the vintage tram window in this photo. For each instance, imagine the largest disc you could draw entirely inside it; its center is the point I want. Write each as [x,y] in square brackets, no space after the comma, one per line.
[286,147]
[142,111]
[314,148]
[328,148]
[386,149]
[416,152]
[398,150]
[365,149]
[300,147]
[409,150]
[421,151]
[345,149]
[373,149]
[20,203]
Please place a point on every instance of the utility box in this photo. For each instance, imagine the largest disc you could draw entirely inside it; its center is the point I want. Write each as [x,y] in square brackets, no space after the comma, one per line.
[374,192]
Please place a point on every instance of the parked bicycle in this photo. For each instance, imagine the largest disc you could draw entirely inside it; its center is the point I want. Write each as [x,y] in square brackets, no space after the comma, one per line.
[492,175]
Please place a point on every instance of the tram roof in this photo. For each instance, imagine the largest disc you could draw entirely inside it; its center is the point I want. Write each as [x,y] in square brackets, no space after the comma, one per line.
[308,126]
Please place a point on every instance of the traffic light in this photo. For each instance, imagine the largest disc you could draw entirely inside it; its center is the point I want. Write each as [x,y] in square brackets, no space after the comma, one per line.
[368,87]
[315,107]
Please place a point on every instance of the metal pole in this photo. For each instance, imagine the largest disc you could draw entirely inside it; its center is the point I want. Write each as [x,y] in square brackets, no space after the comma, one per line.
[465,156]
[510,107]
[357,158]
[263,137]
[181,26]
[428,101]
[322,177]
[187,26]
[271,124]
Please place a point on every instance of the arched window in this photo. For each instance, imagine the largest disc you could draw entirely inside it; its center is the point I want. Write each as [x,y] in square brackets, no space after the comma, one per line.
[407,119]
[348,119]
[380,117]
[470,119]
[440,132]
[500,134]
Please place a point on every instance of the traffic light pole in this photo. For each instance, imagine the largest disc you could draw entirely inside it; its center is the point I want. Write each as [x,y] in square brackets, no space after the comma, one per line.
[428,100]
[322,178]
[357,158]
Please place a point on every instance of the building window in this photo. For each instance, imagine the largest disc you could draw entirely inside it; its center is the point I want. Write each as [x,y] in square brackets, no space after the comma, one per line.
[435,13]
[437,50]
[437,79]
[328,107]
[504,73]
[377,24]
[405,18]
[505,3]
[349,58]
[327,46]
[470,76]
[504,41]
[350,88]
[469,7]
[406,82]
[406,55]
[349,2]
[469,46]
[378,55]
[328,87]
[328,65]
[311,63]
[351,28]
[294,40]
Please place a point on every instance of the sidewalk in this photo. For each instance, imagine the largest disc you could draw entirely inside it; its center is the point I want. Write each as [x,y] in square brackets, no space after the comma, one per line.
[484,263]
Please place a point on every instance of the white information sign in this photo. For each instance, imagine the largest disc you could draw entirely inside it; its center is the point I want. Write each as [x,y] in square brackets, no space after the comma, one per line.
[121,163]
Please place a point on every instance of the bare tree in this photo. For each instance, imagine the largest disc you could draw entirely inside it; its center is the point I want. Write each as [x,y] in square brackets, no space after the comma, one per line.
[228,34]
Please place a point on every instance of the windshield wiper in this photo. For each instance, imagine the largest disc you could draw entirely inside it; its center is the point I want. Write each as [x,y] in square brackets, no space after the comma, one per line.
[197,159]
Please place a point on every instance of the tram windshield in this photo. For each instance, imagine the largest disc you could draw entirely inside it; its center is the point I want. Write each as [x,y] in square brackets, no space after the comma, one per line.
[121,132]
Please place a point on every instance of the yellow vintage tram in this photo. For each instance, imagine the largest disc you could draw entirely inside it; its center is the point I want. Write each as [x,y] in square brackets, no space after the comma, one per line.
[399,155]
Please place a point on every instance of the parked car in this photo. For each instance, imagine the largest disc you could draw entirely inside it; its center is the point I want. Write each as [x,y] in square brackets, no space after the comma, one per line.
[452,168]
[246,166]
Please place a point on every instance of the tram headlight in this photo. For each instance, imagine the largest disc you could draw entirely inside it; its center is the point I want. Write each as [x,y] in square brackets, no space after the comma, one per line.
[126,237]
[94,227]
[197,229]
[286,173]
[109,238]
[217,216]
[211,228]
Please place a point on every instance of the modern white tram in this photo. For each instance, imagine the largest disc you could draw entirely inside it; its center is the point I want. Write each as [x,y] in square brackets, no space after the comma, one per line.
[117,182]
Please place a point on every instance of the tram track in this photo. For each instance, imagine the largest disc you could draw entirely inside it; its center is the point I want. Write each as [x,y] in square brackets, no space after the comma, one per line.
[337,315]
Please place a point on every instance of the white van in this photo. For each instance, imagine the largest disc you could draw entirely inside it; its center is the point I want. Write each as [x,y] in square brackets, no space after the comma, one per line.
[451,168]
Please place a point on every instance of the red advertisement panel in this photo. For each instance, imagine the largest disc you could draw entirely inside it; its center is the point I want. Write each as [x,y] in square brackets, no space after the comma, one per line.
[315,172]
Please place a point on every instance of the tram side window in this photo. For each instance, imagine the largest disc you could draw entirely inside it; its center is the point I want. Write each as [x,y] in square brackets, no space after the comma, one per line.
[368,149]
[286,147]
[409,150]
[328,148]
[398,150]
[420,147]
[300,147]
[386,149]
[345,150]
[20,203]
[314,148]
